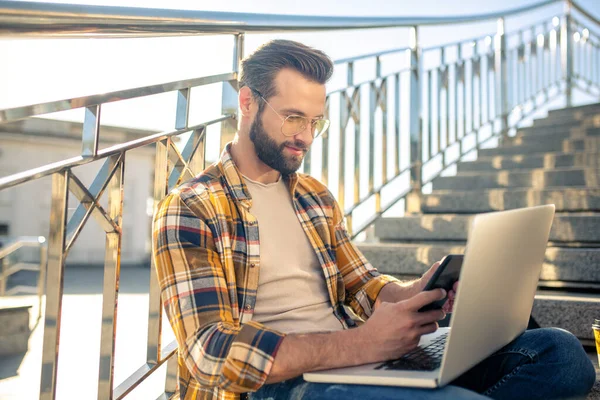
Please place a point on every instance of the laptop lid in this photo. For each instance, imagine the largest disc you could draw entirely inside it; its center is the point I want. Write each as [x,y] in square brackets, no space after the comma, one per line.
[502,266]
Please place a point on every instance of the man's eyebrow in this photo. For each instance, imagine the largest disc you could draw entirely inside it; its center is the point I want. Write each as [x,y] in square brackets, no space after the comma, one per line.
[295,111]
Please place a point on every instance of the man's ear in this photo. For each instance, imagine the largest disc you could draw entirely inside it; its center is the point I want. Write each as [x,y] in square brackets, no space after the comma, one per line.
[245,99]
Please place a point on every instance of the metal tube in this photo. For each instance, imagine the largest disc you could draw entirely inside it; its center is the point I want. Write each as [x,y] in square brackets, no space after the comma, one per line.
[344,117]
[520,71]
[397,109]
[183,108]
[21,112]
[480,93]
[429,115]
[566,52]
[91,131]
[372,108]
[54,290]
[439,108]
[112,273]
[413,200]
[473,67]
[197,157]
[489,68]
[66,20]
[501,79]
[229,102]
[325,150]
[42,277]
[171,379]
[588,60]
[456,111]
[161,173]
[464,99]
[383,99]
[447,98]
[531,56]
[357,146]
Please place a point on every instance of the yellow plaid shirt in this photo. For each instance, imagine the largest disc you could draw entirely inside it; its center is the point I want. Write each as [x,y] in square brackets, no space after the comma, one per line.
[207,255]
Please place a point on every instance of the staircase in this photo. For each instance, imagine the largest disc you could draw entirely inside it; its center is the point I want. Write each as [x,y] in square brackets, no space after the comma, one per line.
[557,160]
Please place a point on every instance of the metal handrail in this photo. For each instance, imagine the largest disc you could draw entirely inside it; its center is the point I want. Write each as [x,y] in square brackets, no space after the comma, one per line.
[454,79]
[13,246]
[32,18]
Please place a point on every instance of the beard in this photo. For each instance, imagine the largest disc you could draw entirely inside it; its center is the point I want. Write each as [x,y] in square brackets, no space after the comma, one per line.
[272,154]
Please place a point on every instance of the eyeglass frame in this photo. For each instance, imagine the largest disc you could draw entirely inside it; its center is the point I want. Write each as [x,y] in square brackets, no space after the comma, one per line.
[284,119]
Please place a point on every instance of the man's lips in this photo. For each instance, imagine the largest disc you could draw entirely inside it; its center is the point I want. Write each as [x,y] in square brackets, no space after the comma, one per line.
[295,150]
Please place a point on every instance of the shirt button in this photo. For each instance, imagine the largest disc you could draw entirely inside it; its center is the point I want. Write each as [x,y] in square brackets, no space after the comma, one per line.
[248,307]
[252,265]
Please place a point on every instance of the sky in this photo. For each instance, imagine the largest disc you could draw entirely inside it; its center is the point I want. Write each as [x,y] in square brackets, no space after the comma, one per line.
[41,70]
[51,69]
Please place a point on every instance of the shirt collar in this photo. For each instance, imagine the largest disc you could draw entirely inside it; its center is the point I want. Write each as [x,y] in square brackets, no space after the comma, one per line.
[235,181]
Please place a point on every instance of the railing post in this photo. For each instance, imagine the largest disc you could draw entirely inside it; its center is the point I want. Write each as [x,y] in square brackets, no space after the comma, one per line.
[229,102]
[54,283]
[501,76]
[566,52]
[413,199]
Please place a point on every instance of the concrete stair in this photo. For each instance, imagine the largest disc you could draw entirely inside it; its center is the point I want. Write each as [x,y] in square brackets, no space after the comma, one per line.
[557,160]
[534,178]
[533,161]
[465,202]
[14,330]
[567,227]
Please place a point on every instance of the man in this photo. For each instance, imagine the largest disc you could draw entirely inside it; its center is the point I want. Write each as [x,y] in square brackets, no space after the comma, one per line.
[261,283]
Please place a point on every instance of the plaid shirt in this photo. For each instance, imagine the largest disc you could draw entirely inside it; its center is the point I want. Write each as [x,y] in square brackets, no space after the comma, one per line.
[206,251]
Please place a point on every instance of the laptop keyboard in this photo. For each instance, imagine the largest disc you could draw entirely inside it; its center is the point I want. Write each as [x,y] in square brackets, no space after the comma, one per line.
[425,358]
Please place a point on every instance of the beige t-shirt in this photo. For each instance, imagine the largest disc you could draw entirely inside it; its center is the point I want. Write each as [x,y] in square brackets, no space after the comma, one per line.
[292,296]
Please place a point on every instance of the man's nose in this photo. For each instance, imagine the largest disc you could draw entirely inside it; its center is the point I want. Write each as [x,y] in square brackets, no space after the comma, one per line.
[306,134]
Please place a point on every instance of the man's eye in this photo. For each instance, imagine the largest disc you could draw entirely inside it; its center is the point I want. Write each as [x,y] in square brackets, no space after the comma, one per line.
[295,119]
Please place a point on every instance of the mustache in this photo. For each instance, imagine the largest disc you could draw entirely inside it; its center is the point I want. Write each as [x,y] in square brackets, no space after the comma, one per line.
[297,144]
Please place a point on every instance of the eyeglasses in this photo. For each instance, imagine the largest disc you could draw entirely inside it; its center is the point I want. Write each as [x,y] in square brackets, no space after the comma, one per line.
[294,124]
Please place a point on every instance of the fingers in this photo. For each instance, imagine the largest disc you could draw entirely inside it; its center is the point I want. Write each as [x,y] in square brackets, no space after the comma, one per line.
[422,299]
[429,328]
[428,317]
[455,286]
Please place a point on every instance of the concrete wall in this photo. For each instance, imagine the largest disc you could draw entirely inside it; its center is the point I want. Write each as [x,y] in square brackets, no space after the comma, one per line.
[26,208]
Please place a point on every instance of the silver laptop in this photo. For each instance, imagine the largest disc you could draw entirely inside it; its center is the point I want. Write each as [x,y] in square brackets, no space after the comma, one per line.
[498,281]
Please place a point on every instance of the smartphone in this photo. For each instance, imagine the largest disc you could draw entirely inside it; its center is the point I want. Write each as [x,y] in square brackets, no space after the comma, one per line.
[445,277]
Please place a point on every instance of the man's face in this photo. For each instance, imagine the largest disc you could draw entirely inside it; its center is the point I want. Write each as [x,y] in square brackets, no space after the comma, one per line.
[295,96]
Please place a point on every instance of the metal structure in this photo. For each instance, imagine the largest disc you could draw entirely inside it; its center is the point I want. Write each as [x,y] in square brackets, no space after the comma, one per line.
[481,92]
[11,267]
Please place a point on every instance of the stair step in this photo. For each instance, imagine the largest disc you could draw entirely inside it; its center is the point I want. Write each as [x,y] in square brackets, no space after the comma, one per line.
[562,120]
[549,160]
[586,144]
[522,149]
[578,266]
[573,312]
[508,199]
[536,178]
[575,129]
[589,144]
[556,124]
[14,330]
[579,227]
[525,139]
[583,110]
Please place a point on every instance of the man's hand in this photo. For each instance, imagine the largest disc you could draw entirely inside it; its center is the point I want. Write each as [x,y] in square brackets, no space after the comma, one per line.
[422,282]
[394,329]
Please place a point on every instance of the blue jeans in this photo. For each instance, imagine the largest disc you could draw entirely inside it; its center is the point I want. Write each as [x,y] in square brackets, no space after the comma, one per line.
[540,364]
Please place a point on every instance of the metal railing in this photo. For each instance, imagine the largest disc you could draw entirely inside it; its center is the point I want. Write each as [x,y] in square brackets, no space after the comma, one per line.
[484,91]
[10,267]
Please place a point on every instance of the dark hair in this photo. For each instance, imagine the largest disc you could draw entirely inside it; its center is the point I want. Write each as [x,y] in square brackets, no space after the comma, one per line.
[259,69]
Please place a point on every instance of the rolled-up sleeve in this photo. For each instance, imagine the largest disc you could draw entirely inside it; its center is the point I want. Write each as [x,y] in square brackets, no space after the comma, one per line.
[218,351]
[362,281]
